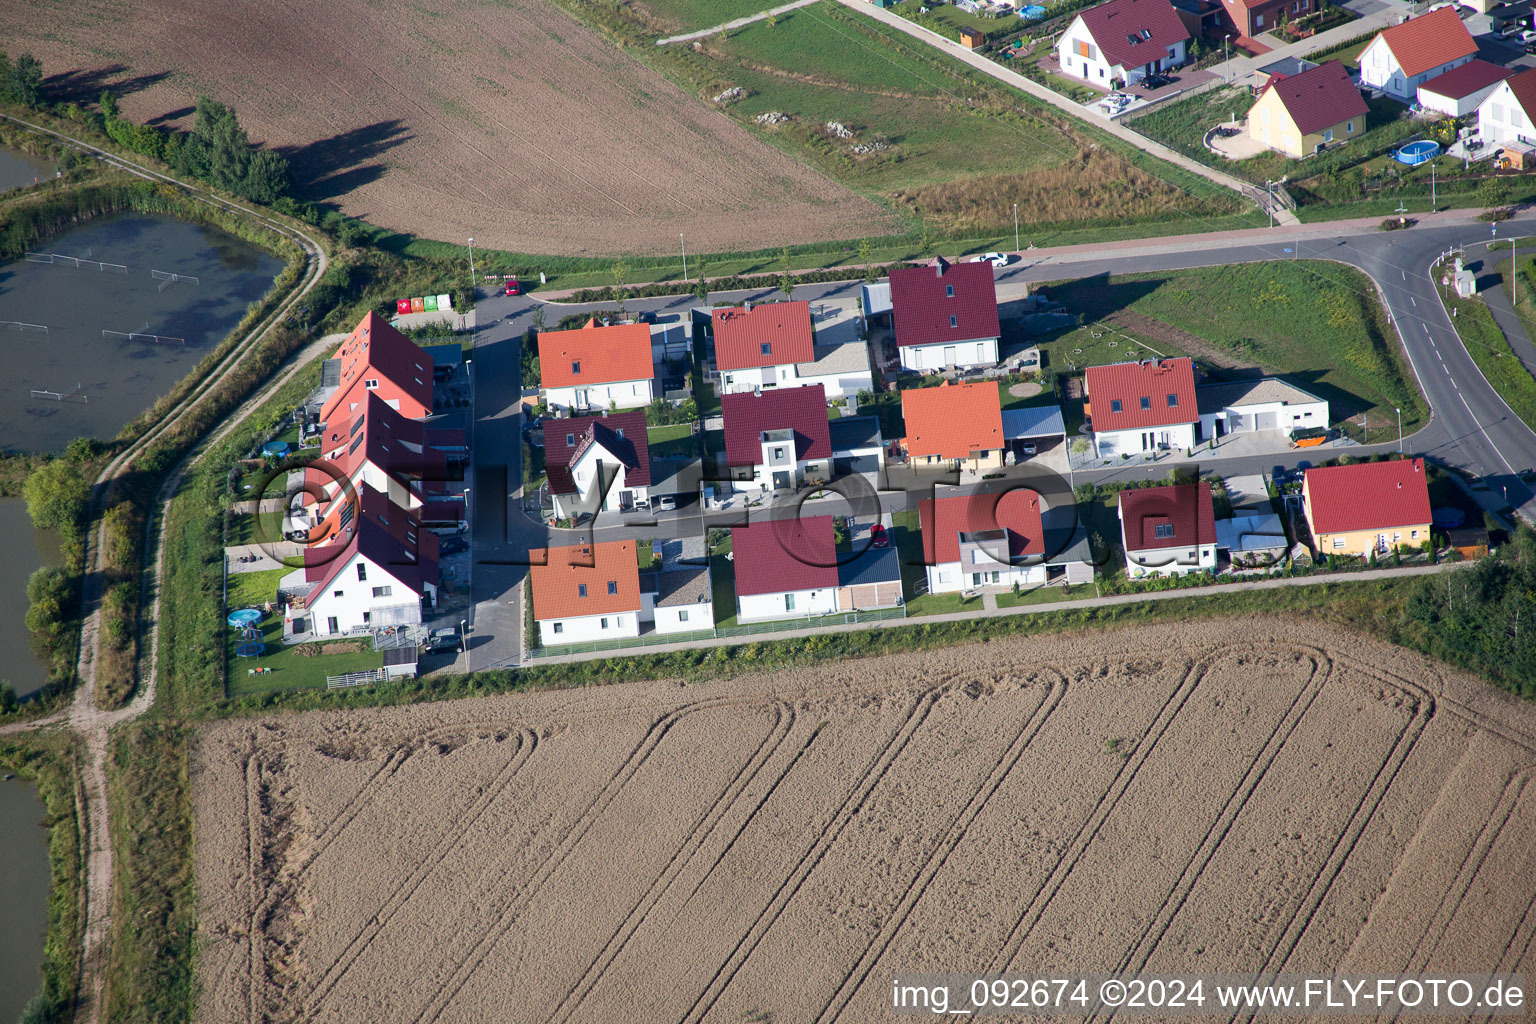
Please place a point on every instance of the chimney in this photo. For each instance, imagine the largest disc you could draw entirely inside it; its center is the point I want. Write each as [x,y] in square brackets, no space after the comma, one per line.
[940,264]
[746,307]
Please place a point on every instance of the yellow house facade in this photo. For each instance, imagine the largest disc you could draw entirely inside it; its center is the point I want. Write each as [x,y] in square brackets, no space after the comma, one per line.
[1303,114]
[1367,508]
[1381,540]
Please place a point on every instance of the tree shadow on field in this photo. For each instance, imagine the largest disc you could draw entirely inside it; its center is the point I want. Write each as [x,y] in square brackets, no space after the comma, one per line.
[172,115]
[84,85]
[327,168]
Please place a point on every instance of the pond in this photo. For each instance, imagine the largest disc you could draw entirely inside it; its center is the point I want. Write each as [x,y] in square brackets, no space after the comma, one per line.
[30,548]
[121,330]
[24,911]
[18,169]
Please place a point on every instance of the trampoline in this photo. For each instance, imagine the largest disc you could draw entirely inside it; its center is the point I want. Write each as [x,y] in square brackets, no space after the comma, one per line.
[1417,152]
[244,617]
[250,650]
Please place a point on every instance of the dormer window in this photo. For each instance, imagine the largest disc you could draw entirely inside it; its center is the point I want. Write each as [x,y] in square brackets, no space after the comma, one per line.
[371,384]
[1146,403]
[949,291]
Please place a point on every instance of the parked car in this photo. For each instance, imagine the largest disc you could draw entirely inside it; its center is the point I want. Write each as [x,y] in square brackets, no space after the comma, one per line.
[1028,448]
[879,537]
[1527,37]
[443,640]
[666,504]
[997,259]
[452,545]
[1155,81]
[513,288]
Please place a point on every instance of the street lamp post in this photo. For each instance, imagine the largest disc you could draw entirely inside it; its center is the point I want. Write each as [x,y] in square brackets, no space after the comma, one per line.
[684,244]
[471,269]
[1015,227]
[1226,68]
[1514,275]
[1399,431]
[1432,202]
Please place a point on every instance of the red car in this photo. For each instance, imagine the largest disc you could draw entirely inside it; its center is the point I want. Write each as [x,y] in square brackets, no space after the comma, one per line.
[878,537]
[513,288]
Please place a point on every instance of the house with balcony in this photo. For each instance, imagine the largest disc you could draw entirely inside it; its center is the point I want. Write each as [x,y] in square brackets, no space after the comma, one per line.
[1507,115]
[777,440]
[1141,407]
[994,540]
[945,315]
[759,346]
[597,369]
[1168,531]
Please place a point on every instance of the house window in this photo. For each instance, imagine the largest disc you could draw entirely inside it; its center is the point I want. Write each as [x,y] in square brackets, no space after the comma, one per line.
[367,617]
[1349,128]
[559,627]
[682,616]
[1338,542]
[613,587]
[767,348]
[1328,135]
[576,366]
[1163,531]
[953,322]
[778,453]
[1115,406]
[581,590]
[362,571]
[619,622]
[1146,402]
[789,602]
[570,440]
[1396,537]
[1173,401]
[381,591]
[949,291]
[371,384]
[602,623]
[634,389]
[336,593]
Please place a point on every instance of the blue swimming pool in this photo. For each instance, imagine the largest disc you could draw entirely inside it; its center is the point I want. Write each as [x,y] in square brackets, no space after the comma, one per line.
[1417,152]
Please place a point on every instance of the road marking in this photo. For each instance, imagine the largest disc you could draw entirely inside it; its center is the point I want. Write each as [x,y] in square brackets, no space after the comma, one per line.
[1508,468]
[1453,383]
[1414,301]
[1405,275]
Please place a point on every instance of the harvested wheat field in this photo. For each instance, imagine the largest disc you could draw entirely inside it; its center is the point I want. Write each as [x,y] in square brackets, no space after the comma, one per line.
[509,122]
[777,847]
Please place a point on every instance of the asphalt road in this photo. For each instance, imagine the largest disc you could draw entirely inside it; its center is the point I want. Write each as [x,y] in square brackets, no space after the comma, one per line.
[1470,427]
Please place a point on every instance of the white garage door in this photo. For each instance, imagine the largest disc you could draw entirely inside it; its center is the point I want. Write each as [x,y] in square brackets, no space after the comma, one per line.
[1266,421]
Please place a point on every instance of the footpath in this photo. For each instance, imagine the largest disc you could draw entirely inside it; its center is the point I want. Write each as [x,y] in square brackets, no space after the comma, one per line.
[705,33]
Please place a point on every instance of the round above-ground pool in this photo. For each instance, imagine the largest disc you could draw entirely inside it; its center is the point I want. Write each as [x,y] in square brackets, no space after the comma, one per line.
[1449,517]
[1034,12]
[1417,152]
[244,617]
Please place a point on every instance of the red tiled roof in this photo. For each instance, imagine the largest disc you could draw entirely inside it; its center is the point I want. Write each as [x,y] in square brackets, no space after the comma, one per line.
[1185,507]
[1130,383]
[621,433]
[1367,496]
[1319,97]
[952,420]
[1134,32]
[769,334]
[778,556]
[376,351]
[388,536]
[945,519]
[1471,77]
[595,355]
[1523,86]
[384,437]
[921,305]
[557,582]
[1426,42]
[747,414]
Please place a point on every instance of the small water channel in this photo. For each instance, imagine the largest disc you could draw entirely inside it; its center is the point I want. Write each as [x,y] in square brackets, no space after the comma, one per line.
[24,909]
[29,548]
[18,169]
[115,275]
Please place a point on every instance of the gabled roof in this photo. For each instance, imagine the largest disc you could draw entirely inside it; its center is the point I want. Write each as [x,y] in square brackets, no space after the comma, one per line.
[921,303]
[952,420]
[1368,496]
[768,334]
[621,434]
[1134,32]
[1523,86]
[1471,77]
[1320,97]
[379,435]
[372,526]
[376,350]
[778,556]
[1436,38]
[944,519]
[748,414]
[1156,393]
[584,579]
[595,355]
[1187,508]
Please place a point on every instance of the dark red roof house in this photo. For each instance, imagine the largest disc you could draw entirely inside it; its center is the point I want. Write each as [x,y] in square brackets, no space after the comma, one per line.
[1319,97]
[388,537]
[1147,396]
[768,334]
[945,314]
[384,448]
[800,411]
[1133,34]
[377,359]
[1168,529]
[781,556]
[1016,513]
[621,434]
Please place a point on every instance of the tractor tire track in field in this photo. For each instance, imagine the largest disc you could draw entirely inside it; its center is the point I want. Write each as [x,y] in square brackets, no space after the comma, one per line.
[527,744]
[1136,958]
[787,889]
[594,810]
[1423,710]
[702,830]
[949,840]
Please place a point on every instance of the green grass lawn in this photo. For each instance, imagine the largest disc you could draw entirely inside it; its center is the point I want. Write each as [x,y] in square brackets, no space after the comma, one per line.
[243,528]
[1490,350]
[947,20]
[672,439]
[290,670]
[1317,323]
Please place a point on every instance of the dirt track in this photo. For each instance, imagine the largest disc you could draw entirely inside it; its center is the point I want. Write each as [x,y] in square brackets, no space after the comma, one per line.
[1157,799]
[510,123]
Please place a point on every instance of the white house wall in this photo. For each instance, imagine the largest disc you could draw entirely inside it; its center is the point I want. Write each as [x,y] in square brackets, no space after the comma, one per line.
[735,382]
[1379,69]
[400,606]
[1288,417]
[1170,561]
[584,475]
[1120,442]
[764,607]
[1501,121]
[585,628]
[841,385]
[951,577]
[601,397]
[926,358]
[1093,68]
[669,618]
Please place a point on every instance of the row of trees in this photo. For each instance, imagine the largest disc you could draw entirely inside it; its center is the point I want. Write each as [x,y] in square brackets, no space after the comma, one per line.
[217,150]
[21,80]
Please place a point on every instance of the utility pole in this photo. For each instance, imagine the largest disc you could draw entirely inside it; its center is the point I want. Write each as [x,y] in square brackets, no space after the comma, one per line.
[1015,227]
[681,241]
[1399,431]
[1226,68]
[471,270]
[1269,201]
[1432,203]
[1514,275]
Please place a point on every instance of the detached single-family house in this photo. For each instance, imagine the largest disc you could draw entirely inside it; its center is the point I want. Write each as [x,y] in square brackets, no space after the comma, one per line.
[1367,507]
[375,359]
[945,314]
[1459,92]
[585,592]
[956,425]
[597,368]
[375,568]
[1299,115]
[1250,17]
[778,439]
[1141,407]
[1285,67]
[1507,116]
[1264,404]
[1405,56]
[609,453]
[984,540]
[1121,42]
[758,347]
[785,568]
[1168,531]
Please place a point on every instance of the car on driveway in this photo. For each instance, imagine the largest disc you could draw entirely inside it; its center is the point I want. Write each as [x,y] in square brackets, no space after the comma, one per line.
[442,640]
[666,503]
[452,545]
[1527,37]
[997,259]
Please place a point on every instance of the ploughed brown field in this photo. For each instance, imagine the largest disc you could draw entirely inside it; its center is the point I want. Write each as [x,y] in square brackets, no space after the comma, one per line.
[508,122]
[1228,796]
